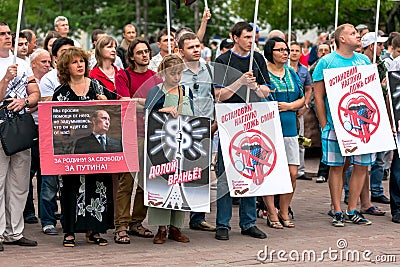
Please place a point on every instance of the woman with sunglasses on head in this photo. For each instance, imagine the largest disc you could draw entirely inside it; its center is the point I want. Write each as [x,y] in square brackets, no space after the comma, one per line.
[175,99]
[289,94]
[86,200]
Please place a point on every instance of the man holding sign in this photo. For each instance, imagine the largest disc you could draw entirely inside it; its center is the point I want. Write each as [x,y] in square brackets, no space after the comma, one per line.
[347,41]
[233,79]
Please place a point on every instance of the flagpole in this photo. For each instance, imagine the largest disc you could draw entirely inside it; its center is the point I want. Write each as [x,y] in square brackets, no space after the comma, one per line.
[21,2]
[290,23]
[336,14]
[252,46]
[168,26]
[336,20]
[378,6]
[205,4]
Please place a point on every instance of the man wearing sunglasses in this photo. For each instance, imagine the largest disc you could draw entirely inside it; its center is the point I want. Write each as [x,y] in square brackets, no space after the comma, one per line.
[198,76]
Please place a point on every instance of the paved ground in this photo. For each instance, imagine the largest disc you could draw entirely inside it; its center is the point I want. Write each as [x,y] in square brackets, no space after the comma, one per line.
[313,233]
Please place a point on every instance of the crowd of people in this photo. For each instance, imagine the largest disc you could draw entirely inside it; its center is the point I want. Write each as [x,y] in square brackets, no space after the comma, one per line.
[176,75]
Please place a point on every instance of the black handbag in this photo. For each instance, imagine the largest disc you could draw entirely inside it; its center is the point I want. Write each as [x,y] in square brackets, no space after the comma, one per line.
[18,132]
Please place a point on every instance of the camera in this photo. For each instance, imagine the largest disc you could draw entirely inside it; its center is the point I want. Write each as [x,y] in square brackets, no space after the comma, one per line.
[304,141]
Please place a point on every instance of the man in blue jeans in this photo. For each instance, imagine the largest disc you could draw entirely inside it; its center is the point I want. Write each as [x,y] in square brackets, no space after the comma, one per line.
[48,204]
[232,78]
[47,200]
[198,77]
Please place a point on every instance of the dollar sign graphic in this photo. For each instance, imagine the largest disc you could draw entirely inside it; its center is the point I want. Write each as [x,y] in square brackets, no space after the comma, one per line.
[172,134]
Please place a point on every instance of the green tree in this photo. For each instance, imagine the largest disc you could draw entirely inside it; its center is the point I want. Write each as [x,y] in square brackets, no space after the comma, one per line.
[310,13]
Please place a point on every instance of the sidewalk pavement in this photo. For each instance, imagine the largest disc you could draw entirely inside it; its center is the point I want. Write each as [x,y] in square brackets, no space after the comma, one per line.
[313,233]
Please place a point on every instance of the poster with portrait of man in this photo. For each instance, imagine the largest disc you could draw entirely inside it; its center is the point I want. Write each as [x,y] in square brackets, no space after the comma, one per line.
[177,162]
[358,110]
[87,137]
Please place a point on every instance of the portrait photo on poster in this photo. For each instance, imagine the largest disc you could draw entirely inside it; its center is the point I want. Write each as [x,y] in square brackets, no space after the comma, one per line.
[87,129]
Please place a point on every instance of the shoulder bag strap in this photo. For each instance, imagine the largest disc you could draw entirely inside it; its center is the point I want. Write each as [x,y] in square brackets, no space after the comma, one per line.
[129,78]
[180,89]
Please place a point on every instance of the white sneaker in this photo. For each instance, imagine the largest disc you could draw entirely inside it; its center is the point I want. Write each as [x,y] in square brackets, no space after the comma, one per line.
[321,179]
[50,230]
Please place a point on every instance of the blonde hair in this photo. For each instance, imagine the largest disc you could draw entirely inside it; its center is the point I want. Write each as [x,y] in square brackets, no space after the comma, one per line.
[170,61]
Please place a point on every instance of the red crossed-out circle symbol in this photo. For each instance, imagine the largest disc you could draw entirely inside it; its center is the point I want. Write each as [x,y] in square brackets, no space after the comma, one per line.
[252,154]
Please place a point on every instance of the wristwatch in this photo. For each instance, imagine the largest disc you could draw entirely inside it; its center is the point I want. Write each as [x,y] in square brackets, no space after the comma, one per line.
[307,106]
[26,102]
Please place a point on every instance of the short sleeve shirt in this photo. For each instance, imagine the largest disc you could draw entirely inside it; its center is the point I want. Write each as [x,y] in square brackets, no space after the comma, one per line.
[334,60]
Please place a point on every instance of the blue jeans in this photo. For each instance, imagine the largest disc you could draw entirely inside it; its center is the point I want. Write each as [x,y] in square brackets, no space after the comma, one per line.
[48,201]
[377,175]
[247,207]
[196,218]
[35,170]
[394,184]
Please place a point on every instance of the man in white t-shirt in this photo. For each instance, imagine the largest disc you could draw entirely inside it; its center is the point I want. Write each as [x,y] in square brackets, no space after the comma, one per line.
[162,42]
[18,90]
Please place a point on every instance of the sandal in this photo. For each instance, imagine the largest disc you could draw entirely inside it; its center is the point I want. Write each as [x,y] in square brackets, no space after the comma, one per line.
[92,239]
[140,231]
[275,225]
[286,223]
[69,242]
[374,210]
[122,238]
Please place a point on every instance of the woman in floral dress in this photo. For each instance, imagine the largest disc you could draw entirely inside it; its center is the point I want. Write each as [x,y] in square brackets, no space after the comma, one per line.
[86,200]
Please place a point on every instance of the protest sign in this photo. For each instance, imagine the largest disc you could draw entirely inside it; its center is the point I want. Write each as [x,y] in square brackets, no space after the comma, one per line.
[177,162]
[70,142]
[394,91]
[253,149]
[358,110]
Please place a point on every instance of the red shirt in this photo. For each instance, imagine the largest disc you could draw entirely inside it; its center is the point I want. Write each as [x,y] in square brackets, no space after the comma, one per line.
[304,59]
[98,74]
[139,87]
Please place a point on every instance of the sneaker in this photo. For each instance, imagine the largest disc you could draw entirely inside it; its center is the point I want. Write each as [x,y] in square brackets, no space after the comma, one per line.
[50,230]
[203,226]
[320,180]
[346,218]
[338,219]
[358,218]
[331,212]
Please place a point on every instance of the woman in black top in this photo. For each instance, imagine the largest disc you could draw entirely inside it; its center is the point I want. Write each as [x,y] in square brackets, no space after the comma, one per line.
[86,200]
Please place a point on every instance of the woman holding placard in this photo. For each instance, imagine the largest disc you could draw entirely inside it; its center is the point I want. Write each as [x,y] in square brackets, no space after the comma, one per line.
[175,99]
[86,200]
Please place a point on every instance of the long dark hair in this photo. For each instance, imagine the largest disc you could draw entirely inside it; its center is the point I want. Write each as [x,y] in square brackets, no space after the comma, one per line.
[130,53]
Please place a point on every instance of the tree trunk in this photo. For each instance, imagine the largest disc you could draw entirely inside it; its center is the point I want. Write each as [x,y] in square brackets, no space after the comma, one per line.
[196,16]
[138,28]
[145,18]
[390,20]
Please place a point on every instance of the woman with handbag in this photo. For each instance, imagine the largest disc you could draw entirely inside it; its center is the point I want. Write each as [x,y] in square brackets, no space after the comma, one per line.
[289,94]
[86,200]
[175,99]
